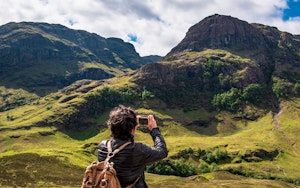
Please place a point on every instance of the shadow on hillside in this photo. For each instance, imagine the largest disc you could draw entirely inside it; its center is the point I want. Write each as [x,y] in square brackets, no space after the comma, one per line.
[44,79]
[203,128]
[82,134]
[41,85]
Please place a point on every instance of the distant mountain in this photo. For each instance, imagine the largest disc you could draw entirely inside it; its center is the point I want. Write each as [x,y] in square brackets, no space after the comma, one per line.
[42,58]
[151,59]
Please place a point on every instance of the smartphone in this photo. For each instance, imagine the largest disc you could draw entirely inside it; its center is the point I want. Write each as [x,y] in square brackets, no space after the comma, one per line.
[143,120]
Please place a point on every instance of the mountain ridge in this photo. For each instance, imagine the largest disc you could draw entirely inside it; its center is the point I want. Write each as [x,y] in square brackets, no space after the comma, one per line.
[75,54]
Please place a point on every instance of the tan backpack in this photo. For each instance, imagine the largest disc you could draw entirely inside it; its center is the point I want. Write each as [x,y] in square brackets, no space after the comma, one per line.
[102,174]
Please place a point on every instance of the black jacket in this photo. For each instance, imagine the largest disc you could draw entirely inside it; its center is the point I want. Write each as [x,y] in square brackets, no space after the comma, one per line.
[130,162]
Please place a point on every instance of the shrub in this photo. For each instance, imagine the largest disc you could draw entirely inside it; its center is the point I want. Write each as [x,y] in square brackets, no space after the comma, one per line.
[172,167]
[110,97]
[147,95]
[198,153]
[212,68]
[220,155]
[217,155]
[253,93]
[203,167]
[230,100]
[281,88]
[296,88]
[214,167]
[209,157]
[179,164]
[10,118]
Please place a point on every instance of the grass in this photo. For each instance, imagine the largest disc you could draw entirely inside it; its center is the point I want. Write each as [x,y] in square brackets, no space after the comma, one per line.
[87,65]
[47,108]
[11,98]
[72,151]
[31,169]
[222,54]
[290,126]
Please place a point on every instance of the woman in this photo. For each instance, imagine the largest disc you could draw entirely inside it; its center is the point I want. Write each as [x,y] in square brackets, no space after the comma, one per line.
[131,161]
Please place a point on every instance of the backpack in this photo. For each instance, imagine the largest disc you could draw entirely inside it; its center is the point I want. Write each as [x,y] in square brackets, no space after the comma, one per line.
[102,174]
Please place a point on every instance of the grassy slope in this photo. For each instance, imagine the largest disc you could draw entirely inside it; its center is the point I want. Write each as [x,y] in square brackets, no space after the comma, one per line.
[68,153]
[20,141]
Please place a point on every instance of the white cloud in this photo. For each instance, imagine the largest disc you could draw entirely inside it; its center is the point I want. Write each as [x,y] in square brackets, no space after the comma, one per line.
[159,25]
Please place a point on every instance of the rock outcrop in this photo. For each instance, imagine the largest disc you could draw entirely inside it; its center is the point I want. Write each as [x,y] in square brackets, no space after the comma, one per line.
[222,32]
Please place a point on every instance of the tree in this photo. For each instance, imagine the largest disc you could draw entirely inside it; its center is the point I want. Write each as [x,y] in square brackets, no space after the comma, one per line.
[253,93]
[209,157]
[147,95]
[297,88]
[220,155]
[203,167]
[281,87]
[230,100]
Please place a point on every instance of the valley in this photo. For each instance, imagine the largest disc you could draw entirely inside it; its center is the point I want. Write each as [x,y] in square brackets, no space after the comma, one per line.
[227,102]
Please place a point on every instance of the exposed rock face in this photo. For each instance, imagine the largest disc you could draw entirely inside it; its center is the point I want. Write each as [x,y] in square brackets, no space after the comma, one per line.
[267,45]
[259,155]
[195,73]
[222,32]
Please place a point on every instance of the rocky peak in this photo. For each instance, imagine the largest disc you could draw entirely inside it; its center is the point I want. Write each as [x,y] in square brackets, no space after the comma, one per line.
[220,53]
[221,32]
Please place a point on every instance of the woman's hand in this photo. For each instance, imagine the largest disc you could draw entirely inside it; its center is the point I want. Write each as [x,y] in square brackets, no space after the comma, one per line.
[151,122]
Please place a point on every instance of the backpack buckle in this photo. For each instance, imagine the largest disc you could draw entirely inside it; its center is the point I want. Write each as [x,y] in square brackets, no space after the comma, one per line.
[103,183]
[111,154]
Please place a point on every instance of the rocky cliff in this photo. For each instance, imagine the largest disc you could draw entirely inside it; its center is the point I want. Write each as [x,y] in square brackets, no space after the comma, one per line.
[223,32]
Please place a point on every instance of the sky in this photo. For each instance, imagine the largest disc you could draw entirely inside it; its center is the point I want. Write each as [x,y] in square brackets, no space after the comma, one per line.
[154,27]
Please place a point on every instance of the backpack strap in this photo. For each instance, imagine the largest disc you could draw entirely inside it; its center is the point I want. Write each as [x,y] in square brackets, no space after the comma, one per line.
[112,153]
[133,184]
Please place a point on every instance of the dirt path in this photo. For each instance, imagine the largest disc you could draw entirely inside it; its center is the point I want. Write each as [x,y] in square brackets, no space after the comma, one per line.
[278,128]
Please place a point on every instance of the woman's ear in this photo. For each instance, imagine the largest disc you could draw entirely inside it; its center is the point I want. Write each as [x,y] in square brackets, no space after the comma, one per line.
[134,129]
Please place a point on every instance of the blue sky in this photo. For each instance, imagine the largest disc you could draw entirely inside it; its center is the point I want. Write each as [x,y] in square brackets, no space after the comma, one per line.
[152,26]
[132,37]
[292,11]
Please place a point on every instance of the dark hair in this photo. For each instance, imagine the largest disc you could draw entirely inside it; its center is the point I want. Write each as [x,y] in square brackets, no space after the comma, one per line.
[121,122]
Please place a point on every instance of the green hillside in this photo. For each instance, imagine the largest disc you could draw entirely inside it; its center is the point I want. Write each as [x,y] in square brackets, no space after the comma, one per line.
[27,153]
[229,113]
[267,148]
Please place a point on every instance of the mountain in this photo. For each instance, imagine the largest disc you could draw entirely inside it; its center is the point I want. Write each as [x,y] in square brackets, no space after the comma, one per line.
[222,52]
[42,58]
[248,75]
[219,32]
[265,44]
[228,109]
